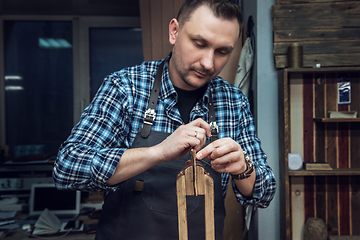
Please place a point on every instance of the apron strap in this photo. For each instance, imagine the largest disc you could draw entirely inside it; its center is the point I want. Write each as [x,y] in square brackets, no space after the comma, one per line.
[213,125]
[150,113]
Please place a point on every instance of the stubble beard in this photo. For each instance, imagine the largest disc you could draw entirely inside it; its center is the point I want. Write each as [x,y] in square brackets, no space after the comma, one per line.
[184,73]
[185,76]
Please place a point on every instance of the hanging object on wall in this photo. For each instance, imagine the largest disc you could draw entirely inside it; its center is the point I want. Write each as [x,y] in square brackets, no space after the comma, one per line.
[295,56]
[242,78]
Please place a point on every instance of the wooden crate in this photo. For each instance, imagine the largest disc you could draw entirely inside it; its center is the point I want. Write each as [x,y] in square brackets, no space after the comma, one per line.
[329,32]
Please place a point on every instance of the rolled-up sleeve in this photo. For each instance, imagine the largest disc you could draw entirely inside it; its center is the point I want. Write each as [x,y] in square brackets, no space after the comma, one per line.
[265,183]
[89,157]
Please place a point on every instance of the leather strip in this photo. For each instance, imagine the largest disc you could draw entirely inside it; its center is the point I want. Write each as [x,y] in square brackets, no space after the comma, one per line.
[149,119]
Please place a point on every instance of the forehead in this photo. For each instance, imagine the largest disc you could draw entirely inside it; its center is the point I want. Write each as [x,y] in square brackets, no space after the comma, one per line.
[202,22]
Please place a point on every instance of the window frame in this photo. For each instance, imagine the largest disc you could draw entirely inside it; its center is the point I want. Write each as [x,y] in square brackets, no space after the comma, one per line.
[81,56]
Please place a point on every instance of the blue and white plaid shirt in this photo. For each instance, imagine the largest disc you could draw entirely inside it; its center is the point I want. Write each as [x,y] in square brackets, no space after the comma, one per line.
[108,126]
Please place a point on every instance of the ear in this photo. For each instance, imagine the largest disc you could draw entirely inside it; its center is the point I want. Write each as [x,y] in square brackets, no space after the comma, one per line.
[173,30]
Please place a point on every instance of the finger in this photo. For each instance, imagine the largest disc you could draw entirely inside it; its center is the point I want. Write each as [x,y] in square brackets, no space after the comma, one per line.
[200,135]
[206,151]
[225,168]
[199,122]
[228,148]
[221,148]
[227,158]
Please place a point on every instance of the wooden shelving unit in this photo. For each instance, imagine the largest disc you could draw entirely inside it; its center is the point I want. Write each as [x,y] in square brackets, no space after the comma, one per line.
[337,120]
[334,172]
[306,95]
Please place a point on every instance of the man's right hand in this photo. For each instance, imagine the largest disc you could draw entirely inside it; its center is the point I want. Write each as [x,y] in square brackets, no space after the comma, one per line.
[137,160]
[192,135]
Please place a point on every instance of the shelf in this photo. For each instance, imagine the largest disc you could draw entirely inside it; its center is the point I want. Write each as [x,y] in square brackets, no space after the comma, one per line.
[306,96]
[337,119]
[322,70]
[25,167]
[335,172]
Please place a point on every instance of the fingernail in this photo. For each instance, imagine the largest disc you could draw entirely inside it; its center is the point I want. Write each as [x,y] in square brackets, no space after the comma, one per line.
[199,155]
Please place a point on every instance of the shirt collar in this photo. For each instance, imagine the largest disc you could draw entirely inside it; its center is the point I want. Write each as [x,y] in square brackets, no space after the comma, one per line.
[167,88]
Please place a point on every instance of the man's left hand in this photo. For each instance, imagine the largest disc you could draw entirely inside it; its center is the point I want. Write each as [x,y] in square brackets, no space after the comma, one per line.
[226,156]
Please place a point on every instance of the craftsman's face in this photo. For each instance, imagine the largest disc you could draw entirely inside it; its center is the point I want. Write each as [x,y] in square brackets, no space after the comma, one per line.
[201,48]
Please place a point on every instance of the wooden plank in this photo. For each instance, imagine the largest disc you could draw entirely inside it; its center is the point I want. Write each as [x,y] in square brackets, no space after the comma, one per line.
[331,105]
[316,9]
[331,150]
[308,138]
[182,212]
[314,22]
[156,30]
[332,203]
[308,127]
[296,133]
[200,179]
[320,198]
[189,183]
[284,145]
[337,120]
[344,205]
[355,92]
[355,205]
[209,208]
[343,145]
[320,47]
[177,5]
[297,208]
[326,60]
[319,93]
[167,14]
[320,143]
[309,198]
[344,188]
[293,35]
[323,70]
[355,154]
[334,172]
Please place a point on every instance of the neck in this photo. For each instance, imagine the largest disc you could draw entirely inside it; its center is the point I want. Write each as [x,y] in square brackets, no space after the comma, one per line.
[176,79]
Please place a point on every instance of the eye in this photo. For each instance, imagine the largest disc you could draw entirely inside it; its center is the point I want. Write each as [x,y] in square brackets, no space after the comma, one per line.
[199,44]
[223,51]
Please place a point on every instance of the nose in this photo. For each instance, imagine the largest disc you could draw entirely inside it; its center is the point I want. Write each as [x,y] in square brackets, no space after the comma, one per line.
[207,60]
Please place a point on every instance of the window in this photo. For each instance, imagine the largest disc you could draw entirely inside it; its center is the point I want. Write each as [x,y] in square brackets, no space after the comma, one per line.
[107,56]
[52,69]
[38,85]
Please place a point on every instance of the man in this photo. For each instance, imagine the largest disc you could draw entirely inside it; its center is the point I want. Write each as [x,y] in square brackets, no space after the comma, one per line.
[135,136]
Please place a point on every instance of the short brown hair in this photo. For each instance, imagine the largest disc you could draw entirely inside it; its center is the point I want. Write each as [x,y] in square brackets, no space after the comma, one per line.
[226,9]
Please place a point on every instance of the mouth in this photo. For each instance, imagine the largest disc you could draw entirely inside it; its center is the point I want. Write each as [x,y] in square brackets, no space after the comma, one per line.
[202,74]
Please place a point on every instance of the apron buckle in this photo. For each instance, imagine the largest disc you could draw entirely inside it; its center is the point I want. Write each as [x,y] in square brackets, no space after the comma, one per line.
[214,128]
[150,115]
